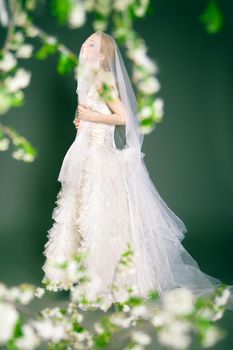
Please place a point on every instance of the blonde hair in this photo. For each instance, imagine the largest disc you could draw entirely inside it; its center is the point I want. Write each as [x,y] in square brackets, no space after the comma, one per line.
[107,47]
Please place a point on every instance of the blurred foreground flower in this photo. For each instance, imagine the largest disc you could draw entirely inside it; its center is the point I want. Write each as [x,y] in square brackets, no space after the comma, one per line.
[173,319]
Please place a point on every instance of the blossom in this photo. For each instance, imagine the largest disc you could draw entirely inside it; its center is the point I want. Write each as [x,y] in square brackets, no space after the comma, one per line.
[179,301]
[222,299]
[29,340]
[3,291]
[24,51]
[141,338]
[140,58]
[77,15]
[120,5]
[161,318]
[20,80]
[47,330]
[146,129]
[8,61]
[90,288]
[18,154]
[145,112]
[175,335]
[21,19]
[158,106]
[4,144]
[32,31]
[139,311]
[23,294]
[211,336]
[149,86]
[39,292]
[8,319]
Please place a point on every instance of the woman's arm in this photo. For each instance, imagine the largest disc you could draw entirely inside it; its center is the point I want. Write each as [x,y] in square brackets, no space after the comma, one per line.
[112,118]
[115,118]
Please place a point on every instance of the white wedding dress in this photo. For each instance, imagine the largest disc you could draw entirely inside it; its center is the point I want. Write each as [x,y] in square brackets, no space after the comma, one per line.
[108,199]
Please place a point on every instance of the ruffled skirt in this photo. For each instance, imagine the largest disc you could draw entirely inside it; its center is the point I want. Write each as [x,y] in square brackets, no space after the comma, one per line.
[106,200]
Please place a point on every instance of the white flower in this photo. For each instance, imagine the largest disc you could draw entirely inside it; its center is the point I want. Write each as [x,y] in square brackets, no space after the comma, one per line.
[139,311]
[8,318]
[149,86]
[32,31]
[140,11]
[222,299]
[51,40]
[141,338]
[13,294]
[29,340]
[8,62]
[28,157]
[90,288]
[137,74]
[140,58]
[21,19]
[3,291]
[24,51]
[175,335]
[52,313]
[4,144]
[146,129]
[20,80]
[77,15]
[158,106]
[23,294]
[218,315]
[39,292]
[161,318]
[98,327]
[211,336]
[126,308]
[119,319]
[18,154]
[206,312]
[26,296]
[120,5]
[47,330]
[145,112]
[179,301]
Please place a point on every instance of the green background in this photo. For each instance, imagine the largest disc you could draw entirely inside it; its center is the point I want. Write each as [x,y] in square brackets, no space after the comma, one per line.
[189,155]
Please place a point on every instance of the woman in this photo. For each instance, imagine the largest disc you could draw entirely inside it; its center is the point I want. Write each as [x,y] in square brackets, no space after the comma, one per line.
[107,198]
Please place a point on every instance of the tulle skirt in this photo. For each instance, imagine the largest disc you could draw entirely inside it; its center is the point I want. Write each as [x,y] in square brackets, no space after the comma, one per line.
[108,199]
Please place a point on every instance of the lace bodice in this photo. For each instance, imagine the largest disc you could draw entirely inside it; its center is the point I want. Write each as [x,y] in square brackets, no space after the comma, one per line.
[97,133]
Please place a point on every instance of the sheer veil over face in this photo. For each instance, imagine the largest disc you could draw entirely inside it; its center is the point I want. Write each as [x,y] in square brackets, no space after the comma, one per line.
[100,60]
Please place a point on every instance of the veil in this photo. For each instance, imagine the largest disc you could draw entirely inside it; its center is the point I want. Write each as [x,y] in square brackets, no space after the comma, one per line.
[103,63]
[111,72]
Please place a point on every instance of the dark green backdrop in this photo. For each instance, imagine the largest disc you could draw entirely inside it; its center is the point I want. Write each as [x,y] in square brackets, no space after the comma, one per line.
[189,155]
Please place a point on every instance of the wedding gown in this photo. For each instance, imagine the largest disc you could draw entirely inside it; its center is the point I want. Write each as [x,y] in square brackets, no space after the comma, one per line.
[108,199]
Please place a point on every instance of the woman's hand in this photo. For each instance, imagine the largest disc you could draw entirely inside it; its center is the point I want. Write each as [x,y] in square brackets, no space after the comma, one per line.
[76,122]
[86,113]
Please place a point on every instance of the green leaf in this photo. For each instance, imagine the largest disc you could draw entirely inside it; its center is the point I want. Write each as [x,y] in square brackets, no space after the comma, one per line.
[45,51]
[17,99]
[212,17]
[101,340]
[61,10]
[66,63]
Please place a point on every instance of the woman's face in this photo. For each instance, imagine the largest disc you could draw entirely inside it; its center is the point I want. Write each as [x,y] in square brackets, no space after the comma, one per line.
[90,50]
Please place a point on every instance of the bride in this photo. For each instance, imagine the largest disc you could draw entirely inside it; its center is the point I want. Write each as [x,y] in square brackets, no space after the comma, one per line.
[107,197]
